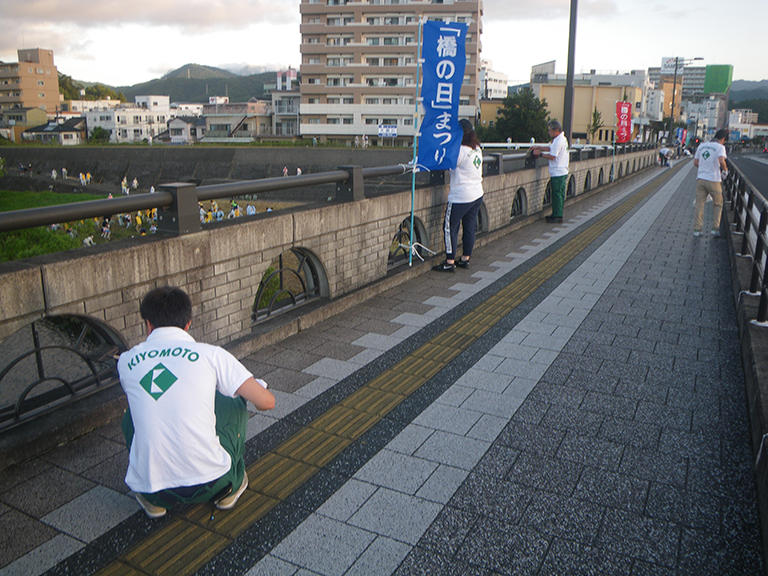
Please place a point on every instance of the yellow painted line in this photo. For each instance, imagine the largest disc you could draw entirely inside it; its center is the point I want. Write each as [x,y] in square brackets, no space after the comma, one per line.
[193,539]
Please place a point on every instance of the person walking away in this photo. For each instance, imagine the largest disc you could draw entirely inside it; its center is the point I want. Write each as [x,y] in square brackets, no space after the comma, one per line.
[464,199]
[557,154]
[711,167]
[186,421]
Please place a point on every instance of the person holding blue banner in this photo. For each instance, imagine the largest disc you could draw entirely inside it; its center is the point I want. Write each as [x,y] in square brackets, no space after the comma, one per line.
[464,199]
[557,154]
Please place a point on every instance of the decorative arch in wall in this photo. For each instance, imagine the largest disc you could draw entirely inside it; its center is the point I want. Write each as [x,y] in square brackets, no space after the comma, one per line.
[53,361]
[519,204]
[295,278]
[401,241]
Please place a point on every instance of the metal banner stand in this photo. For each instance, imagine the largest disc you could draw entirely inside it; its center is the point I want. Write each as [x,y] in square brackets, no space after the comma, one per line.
[413,247]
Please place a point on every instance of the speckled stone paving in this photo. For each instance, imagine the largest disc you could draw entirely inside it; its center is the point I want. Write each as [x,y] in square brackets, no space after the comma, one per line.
[598,427]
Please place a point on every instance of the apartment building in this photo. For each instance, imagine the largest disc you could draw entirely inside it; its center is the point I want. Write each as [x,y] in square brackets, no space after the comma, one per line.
[143,120]
[32,82]
[358,66]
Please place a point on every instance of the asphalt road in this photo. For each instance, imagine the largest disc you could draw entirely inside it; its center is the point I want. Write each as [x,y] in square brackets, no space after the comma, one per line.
[755,168]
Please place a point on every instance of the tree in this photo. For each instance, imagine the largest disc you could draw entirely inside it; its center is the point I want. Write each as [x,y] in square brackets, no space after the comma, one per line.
[595,125]
[99,134]
[522,117]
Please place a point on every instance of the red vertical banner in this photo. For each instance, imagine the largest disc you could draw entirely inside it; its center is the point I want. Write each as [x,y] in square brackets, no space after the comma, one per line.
[623,122]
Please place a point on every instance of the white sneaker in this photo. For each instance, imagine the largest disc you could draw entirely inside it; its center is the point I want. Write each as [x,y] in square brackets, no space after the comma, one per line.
[697,233]
[715,233]
[150,509]
[229,501]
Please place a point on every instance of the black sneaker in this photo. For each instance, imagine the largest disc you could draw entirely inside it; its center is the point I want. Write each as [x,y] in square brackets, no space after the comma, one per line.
[554,219]
[444,267]
[462,263]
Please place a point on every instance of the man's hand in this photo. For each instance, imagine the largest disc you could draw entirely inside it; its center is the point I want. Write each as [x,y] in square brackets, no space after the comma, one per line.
[256,394]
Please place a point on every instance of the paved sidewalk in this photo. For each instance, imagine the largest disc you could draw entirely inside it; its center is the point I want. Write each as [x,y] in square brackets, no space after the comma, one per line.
[599,427]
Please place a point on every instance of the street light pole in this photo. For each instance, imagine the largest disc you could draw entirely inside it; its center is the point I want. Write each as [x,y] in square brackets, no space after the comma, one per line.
[672,111]
[568,104]
[682,61]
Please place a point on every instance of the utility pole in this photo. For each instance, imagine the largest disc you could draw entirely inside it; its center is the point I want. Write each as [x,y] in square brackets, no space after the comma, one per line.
[568,104]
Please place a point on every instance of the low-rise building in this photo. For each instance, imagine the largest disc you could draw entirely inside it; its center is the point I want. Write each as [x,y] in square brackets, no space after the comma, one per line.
[186,129]
[131,123]
[14,121]
[62,131]
[594,91]
[237,121]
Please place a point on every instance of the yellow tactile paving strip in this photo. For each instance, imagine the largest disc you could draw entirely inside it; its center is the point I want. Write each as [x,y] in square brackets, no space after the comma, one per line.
[193,539]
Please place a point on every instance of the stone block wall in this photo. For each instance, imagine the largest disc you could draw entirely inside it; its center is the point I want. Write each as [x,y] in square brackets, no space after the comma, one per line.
[221,267]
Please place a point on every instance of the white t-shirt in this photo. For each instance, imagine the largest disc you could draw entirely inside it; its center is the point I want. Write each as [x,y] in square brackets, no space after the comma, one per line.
[467,177]
[708,154]
[170,382]
[559,149]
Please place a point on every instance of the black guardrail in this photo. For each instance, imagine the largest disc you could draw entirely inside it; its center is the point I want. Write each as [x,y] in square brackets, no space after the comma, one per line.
[751,219]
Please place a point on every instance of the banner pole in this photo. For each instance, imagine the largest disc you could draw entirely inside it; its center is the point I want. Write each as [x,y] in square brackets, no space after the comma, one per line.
[415,139]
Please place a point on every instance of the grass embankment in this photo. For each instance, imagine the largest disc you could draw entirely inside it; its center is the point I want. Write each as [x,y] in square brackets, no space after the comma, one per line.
[47,239]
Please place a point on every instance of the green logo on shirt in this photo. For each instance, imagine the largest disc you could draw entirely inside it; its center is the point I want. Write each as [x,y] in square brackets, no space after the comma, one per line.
[157,381]
[706,154]
[477,161]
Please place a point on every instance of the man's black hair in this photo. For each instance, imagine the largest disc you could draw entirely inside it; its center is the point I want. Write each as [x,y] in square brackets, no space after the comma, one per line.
[166,306]
[722,133]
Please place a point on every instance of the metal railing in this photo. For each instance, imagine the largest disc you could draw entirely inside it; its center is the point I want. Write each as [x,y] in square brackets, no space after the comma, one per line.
[751,219]
[177,203]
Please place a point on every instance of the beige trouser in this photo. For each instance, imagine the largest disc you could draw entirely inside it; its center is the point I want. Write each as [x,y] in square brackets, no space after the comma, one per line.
[706,188]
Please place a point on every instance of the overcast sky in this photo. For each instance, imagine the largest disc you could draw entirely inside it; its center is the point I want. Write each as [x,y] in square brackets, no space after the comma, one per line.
[123,43]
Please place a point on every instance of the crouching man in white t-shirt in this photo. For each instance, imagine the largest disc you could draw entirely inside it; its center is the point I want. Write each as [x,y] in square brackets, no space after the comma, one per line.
[185,426]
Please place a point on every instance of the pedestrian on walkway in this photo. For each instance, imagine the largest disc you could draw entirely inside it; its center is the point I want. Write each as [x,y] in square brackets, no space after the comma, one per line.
[710,161]
[464,199]
[185,426]
[557,154]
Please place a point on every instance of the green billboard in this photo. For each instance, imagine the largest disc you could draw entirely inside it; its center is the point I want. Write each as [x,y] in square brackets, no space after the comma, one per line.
[718,79]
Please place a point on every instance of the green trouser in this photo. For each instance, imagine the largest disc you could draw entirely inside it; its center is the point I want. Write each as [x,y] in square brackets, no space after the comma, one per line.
[231,421]
[558,194]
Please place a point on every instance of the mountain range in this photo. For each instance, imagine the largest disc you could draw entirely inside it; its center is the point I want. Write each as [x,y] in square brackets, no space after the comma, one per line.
[195,83]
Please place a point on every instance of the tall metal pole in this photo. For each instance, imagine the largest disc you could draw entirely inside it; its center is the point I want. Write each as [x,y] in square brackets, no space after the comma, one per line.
[672,112]
[568,104]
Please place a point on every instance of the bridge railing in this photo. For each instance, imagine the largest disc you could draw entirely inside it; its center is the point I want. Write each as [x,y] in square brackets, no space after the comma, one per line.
[751,220]
[177,203]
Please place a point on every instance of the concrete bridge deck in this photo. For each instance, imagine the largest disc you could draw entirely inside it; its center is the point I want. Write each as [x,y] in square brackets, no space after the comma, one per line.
[572,404]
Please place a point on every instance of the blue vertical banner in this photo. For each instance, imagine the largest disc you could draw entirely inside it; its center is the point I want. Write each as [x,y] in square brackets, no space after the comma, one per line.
[443,52]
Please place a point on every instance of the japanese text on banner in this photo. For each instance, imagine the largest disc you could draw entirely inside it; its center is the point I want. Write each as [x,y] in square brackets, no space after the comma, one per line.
[444,55]
[623,122]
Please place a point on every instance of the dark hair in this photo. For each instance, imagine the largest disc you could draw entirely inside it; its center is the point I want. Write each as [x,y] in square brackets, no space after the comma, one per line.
[469,137]
[720,134]
[555,125]
[166,306]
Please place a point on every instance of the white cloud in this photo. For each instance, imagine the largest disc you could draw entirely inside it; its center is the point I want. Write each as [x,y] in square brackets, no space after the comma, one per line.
[192,14]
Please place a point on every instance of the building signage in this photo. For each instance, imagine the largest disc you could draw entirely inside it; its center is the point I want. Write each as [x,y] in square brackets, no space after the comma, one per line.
[668,65]
[387,130]
[623,122]
[443,52]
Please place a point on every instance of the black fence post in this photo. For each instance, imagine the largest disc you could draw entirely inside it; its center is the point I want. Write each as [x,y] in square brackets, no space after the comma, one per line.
[183,215]
[499,163]
[759,249]
[353,188]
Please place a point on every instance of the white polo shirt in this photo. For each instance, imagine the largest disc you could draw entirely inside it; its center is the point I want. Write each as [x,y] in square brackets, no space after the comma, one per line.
[467,178]
[559,149]
[171,382]
[708,154]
